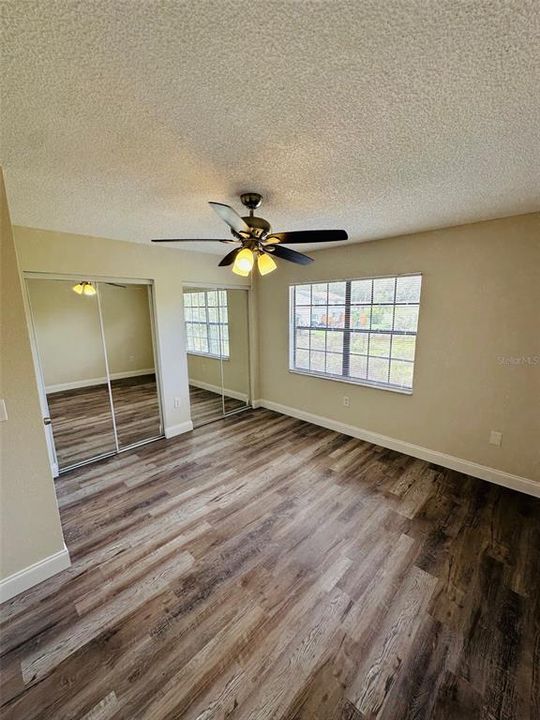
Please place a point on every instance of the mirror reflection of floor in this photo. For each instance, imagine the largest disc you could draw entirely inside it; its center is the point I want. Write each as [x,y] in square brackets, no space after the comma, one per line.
[207,406]
[81,418]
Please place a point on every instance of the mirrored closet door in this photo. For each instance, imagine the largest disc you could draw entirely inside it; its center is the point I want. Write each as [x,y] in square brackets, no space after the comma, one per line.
[127,328]
[74,370]
[93,343]
[235,361]
[217,344]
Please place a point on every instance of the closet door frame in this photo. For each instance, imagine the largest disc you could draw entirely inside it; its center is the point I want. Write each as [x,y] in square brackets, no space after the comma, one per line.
[96,280]
[186,284]
[40,382]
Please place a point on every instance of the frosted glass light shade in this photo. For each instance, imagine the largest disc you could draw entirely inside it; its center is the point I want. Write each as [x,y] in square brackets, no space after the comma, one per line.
[243,262]
[237,271]
[266,264]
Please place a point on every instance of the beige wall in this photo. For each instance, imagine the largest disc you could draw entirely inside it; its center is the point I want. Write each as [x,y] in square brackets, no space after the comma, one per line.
[236,367]
[480,310]
[52,252]
[127,328]
[69,337]
[29,520]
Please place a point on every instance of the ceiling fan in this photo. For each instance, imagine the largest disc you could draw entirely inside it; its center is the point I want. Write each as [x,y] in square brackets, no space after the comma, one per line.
[258,241]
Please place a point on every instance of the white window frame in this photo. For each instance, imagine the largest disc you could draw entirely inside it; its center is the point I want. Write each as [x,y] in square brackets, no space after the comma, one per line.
[349,331]
[221,324]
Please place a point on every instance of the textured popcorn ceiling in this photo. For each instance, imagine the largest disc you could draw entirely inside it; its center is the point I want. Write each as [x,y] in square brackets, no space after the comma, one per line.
[123,119]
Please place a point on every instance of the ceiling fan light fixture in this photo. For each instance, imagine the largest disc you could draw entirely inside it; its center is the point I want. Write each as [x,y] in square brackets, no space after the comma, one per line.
[265,264]
[84,288]
[243,263]
[237,271]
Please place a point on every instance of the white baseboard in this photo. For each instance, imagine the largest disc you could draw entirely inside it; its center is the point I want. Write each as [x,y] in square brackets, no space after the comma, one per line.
[180,429]
[60,387]
[132,373]
[467,467]
[34,574]
[217,389]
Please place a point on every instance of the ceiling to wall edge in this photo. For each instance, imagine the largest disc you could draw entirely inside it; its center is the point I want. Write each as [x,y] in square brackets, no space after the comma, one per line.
[218,250]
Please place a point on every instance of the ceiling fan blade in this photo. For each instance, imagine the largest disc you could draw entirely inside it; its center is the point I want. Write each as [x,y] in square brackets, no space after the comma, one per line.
[188,240]
[231,217]
[288,254]
[230,257]
[308,236]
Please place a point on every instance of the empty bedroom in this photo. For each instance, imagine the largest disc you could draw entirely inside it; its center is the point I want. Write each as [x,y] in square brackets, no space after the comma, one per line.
[270,360]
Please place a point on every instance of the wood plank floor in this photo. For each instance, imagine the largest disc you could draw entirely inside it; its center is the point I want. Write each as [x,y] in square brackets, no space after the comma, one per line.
[82,423]
[264,568]
[206,406]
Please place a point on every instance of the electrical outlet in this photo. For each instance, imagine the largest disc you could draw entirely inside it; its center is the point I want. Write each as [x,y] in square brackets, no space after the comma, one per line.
[346,401]
[495,438]
[177,402]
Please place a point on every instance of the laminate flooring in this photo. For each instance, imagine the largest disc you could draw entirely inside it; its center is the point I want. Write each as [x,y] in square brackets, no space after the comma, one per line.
[82,420]
[207,406]
[264,568]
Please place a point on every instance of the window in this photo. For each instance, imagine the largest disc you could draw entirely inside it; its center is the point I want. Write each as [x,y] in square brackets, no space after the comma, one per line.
[361,331]
[207,328]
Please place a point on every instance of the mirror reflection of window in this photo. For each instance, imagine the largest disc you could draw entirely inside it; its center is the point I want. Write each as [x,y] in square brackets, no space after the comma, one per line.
[207,323]
[217,346]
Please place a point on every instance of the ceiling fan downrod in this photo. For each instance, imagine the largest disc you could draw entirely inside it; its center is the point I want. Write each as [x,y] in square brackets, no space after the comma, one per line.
[258,226]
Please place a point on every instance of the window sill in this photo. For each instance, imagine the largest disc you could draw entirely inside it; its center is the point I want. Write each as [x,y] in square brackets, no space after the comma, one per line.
[208,355]
[350,381]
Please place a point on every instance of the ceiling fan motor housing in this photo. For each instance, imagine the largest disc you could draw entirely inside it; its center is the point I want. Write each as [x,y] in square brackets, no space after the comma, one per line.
[258,226]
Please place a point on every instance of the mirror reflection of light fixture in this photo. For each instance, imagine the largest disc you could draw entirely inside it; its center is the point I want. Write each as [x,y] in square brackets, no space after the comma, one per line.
[243,262]
[84,288]
[266,264]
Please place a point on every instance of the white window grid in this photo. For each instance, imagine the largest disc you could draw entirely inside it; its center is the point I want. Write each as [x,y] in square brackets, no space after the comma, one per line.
[207,323]
[335,311]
